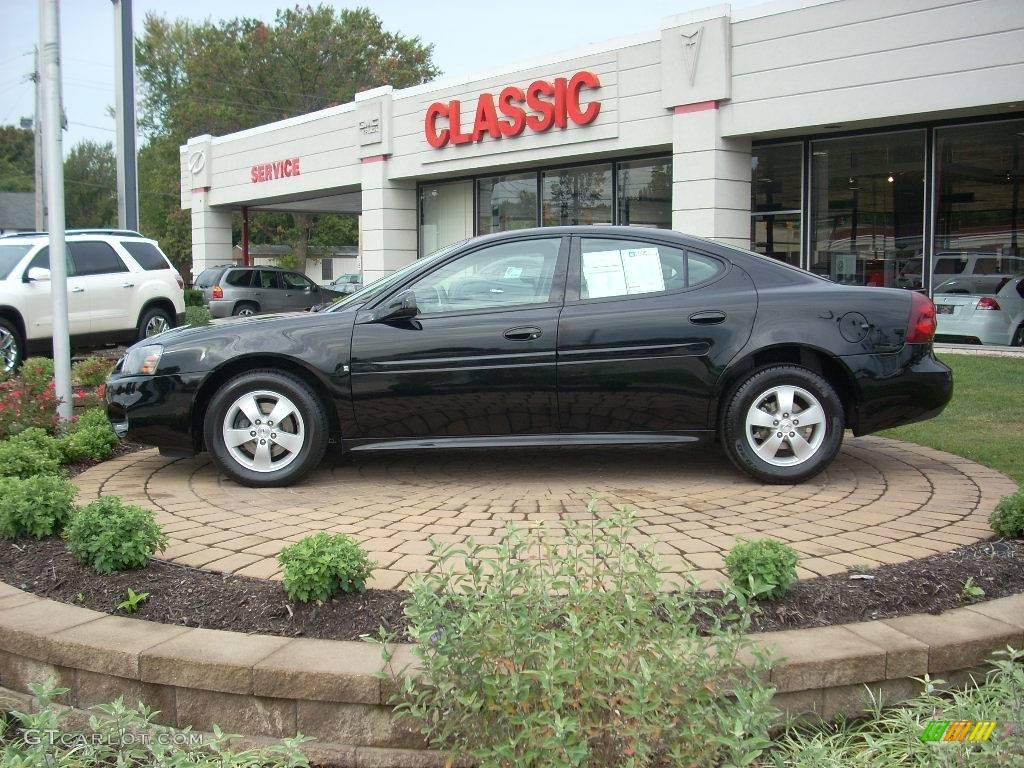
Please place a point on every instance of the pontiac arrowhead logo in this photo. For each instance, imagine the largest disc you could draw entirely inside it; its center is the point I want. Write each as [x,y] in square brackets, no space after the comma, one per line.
[691,51]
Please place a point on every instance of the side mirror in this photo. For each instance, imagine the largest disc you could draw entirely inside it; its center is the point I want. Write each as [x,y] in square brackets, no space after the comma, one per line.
[37,275]
[401,307]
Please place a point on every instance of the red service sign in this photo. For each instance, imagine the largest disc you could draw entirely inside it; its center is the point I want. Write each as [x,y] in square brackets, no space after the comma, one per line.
[279,169]
[542,106]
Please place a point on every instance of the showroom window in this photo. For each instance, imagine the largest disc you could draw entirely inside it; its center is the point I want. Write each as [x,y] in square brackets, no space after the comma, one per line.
[644,192]
[867,209]
[776,200]
[446,214]
[581,195]
[506,202]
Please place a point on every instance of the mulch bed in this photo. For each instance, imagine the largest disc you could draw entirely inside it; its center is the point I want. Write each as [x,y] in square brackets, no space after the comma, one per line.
[196,598]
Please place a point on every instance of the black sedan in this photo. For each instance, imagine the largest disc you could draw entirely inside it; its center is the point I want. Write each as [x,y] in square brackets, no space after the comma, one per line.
[555,336]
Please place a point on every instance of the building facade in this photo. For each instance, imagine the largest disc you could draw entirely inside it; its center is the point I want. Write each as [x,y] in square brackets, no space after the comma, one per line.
[878,143]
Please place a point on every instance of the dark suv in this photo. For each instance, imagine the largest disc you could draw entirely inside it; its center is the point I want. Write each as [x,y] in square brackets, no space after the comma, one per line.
[243,291]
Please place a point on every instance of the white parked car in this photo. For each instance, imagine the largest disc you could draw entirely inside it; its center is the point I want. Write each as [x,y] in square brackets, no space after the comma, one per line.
[981,310]
[121,288]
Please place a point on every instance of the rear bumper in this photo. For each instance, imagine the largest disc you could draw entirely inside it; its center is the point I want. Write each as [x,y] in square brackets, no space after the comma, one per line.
[901,388]
[154,410]
[219,309]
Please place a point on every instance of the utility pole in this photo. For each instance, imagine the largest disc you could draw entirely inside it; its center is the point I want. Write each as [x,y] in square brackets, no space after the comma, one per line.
[124,84]
[49,42]
[37,137]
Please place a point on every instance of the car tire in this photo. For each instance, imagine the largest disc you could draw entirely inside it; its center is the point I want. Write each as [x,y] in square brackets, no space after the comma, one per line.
[152,322]
[761,430]
[275,462]
[1018,337]
[12,346]
[245,309]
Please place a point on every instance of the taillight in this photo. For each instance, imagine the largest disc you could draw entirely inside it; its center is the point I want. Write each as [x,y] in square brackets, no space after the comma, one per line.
[921,327]
[218,292]
[987,302]
[181,283]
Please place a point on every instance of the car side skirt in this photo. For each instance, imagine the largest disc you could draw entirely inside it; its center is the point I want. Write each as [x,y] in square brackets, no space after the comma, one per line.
[528,441]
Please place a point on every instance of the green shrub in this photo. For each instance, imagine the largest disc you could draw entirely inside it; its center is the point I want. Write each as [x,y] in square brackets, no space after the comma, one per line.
[31,452]
[118,734]
[111,536]
[319,566]
[36,374]
[91,437]
[762,568]
[1007,519]
[194,298]
[564,651]
[91,372]
[34,506]
[197,316]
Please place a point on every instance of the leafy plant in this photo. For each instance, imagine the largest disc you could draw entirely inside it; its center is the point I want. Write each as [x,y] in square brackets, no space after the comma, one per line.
[1007,519]
[91,437]
[31,452]
[319,566]
[91,372]
[566,651]
[194,297]
[134,600]
[22,408]
[197,316]
[111,536]
[762,568]
[34,506]
[36,374]
[970,589]
[127,737]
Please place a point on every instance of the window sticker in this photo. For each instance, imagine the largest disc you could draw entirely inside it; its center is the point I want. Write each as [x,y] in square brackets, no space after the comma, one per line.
[622,272]
[513,273]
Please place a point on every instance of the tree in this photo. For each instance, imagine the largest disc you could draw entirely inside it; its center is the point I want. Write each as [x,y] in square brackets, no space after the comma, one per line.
[90,185]
[226,76]
[17,159]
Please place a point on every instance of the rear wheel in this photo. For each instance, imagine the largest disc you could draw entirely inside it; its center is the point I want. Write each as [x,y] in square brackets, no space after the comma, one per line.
[266,428]
[1018,336]
[784,424]
[12,346]
[245,309]
[154,321]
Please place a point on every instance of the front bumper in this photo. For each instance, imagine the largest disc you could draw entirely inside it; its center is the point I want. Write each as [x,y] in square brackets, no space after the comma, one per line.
[155,410]
[901,388]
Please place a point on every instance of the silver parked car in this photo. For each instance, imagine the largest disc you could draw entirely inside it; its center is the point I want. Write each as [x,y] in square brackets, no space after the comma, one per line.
[242,291]
[981,310]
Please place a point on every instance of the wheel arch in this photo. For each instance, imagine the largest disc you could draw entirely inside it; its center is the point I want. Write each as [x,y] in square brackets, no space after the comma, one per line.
[240,302]
[231,368]
[14,316]
[826,365]
[160,302]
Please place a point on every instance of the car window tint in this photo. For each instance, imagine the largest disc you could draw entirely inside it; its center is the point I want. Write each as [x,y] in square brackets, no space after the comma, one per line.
[239,278]
[207,278]
[95,258]
[611,267]
[505,275]
[295,280]
[10,255]
[147,255]
[950,266]
[42,259]
[268,279]
[1020,288]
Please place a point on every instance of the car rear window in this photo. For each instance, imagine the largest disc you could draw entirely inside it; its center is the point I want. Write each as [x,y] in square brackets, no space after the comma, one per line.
[147,255]
[207,278]
[240,278]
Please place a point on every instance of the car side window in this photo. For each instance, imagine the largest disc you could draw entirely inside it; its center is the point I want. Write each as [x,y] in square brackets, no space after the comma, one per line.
[295,280]
[42,260]
[147,255]
[267,279]
[499,276]
[239,278]
[611,268]
[95,258]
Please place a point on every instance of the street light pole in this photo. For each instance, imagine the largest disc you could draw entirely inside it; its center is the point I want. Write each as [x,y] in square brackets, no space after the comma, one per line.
[53,168]
[124,83]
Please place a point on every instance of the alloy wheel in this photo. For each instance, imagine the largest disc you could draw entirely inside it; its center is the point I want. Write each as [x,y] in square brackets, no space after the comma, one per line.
[156,324]
[8,350]
[785,426]
[246,312]
[263,431]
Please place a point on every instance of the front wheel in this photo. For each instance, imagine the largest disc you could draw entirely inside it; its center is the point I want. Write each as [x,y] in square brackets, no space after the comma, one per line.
[266,429]
[12,346]
[784,424]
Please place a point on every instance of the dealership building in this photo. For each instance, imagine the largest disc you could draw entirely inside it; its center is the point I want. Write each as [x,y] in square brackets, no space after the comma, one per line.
[878,142]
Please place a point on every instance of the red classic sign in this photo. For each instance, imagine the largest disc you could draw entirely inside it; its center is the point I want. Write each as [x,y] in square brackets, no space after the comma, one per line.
[276,170]
[551,104]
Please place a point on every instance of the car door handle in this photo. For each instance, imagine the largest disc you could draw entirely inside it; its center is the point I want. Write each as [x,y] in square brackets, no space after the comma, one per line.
[709,317]
[78,289]
[523,334]
[128,285]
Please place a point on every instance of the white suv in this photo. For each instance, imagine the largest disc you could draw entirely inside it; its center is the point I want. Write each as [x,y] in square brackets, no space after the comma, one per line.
[121,288]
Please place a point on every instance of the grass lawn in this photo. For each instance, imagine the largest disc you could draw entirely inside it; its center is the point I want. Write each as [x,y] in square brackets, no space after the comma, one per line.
[985,420]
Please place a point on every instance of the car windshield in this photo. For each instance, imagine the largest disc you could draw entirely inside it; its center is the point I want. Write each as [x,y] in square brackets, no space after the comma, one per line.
[10,255]
[374,289]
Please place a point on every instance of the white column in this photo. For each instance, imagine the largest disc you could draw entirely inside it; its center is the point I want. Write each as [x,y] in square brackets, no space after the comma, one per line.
[388,221]
[710,177]
[211,234]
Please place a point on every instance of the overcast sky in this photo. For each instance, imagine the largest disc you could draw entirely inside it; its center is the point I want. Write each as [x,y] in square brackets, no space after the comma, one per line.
[468,35]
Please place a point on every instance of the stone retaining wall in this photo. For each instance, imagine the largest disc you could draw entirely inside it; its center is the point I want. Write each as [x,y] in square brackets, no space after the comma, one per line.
[270,687]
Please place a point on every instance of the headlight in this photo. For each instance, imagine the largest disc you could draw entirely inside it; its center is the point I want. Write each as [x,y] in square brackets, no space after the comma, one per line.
[142,361]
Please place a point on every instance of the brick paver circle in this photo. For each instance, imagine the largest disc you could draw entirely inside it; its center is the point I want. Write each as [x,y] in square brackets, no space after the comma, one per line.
[882,501]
